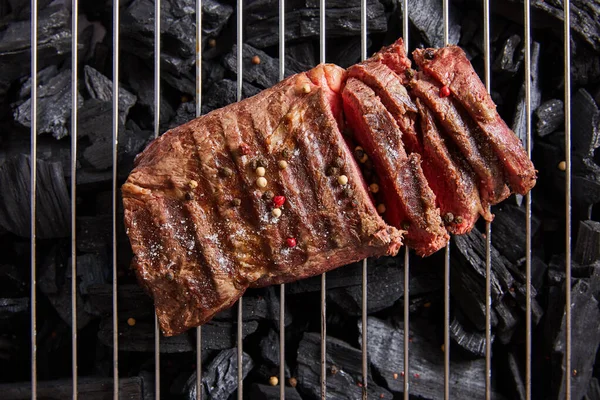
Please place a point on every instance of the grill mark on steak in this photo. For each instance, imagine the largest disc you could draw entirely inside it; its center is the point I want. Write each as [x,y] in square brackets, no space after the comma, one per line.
[404,184]
[386,84]
[454,185]
[450,66]
[485,164]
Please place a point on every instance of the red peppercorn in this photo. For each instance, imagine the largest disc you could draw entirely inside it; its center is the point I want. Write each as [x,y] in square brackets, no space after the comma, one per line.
[291,242]
[444,91]
[244,149]
[278,201]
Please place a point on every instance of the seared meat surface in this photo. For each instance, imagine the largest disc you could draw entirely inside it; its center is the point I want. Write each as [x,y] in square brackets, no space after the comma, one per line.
[268,190]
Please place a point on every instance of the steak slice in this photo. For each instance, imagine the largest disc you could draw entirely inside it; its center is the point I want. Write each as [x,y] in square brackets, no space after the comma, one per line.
[387,85]
[450,178]
[410,203]
[394,56]
[450,66]
[473,147]
[201,228]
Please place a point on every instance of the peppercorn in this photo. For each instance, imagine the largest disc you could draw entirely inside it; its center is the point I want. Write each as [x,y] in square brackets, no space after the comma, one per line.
[131,321]
[347,191]
[342,179]
[236,202]
[189,196]
[405,225]
[410,73]
[276,212]
[261,182]
[256,60]
[282,164]
[260,171]
[331,171]
[562,166]
[293,382]
[360,154]
[193,184]
[268,195]
[374,188]
[212,42]
[279,201]
[170,276]
[381,208]
[286,154]
[291,242]
[226,172]
[273,381]
[449,218]
[458,219]
[306,88]
[429,54]
[444,91]
[244,149]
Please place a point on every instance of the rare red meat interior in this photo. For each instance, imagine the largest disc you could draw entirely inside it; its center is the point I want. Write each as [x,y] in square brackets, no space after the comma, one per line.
[326,168]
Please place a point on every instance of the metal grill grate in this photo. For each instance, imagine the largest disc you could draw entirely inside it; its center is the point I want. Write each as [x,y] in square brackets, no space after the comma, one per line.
[322,52]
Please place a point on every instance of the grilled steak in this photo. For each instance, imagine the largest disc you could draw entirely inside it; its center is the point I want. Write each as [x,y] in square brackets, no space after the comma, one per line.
[203,227]
[267,190]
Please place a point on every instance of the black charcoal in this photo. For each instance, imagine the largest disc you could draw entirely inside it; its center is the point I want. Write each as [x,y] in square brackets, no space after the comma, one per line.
[265,392]
[346,53]
[224,93]
[516,374]
[426,378]
[550,117]
[593,392]
[184,113]
[269,351]
[253,308]
[133,302]
[471,341]
[586,124]
[54,106]
[303,53]
[587,248]
[344,374]
[510,59]
[273,308]
[508,319]
[11,307]
[426,15]
[509,236]
[92,270]
[519,125]
[100,88]
[302,20]
[585,67]
[94,233]
[219,379]
[53,204]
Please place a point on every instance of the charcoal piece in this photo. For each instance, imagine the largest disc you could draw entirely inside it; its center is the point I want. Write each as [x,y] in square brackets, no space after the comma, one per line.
[178,30]
[224,92]
[520,294]
[538,272]
[507,60]
[346,53]
[101,88]
[585,336]
[508,320]
[94,117]
[593,392]
[519,125]
[92,270]
[55,282]
[11,307]
[587,248]
[302,20]
[265,392]
[218,335]
[471,341]
[303,52]
[53,204]
[426,378]
[94,233]
[273,308]
[550,117]
[54,106]
[586,124]
[468,276]
[344,374]
[133,302]
[54,42]
[264,74]
[269,350]
[219,380]
[516,375]
[426,15]
[184,113]
[89,388]
[509,235]
[140,337]
[12,281]
[253,308]
[132,142]
[585,67]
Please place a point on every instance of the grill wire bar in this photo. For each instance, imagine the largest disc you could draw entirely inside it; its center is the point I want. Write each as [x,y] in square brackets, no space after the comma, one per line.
[32,199]
[488,225]
[115,142]
[156,134]
[363,56]
[198,113]
[445,13]
[567,61]
[74,59]
[406,250]
[527,23]
[282,286]
[240,349]
[323,276]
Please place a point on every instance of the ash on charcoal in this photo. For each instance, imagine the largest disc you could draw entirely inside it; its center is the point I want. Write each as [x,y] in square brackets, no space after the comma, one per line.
[587,248]
[344,373]
[302,20]
[100,88]
[264,74]
[585,337]
[385,344]
[425,16]
[519,125]
[89,388]
[224,92]
[54,106]
[471,341]
[266,392]
[509,236]
[53,205]
[468,276]
[13,306]
[219,379]
[178,30]
[550,116]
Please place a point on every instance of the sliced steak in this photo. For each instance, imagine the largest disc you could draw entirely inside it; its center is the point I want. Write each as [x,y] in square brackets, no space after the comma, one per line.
[479,155]
[450,66]
[387,85]
[450,177]
[410,201]
[394,56]
[201,222]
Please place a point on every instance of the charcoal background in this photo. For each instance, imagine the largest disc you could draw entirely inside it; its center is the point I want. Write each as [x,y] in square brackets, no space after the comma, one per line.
[136,110]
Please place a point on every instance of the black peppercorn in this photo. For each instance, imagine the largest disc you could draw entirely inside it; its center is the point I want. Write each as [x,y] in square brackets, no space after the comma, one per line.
[429,54]
[268,195]
[189,196]
[226,172]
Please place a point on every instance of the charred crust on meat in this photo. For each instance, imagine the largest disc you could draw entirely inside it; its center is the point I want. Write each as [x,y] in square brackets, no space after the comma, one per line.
[258,162]
[169,275]
[286,154]
[268,195]
[332,171]
[405,225]
[429,54]
[189,196]
[226,172]
[410,73]
[338,162]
